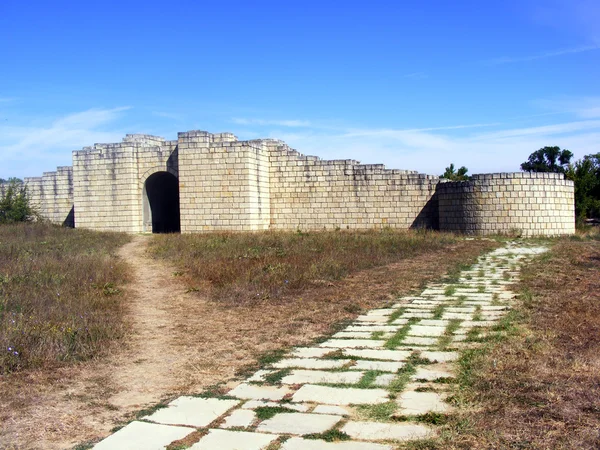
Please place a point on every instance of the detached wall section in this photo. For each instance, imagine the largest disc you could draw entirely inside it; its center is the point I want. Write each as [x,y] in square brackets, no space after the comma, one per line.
[52,195]
[531,203]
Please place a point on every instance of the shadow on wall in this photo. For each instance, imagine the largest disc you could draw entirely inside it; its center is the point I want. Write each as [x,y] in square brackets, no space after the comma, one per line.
[429,216]
[69,221]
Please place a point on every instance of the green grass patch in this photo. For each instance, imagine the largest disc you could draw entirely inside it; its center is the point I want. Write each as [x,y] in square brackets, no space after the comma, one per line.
[399,336]
[266,412]
[377,335]
[446,339]
[277,376]
[438,311]
[380,412]
[396,314]
[450,291]
[332,435]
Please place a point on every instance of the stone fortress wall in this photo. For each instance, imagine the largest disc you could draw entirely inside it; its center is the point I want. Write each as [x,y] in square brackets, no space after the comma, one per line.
[206,182]
[529,203]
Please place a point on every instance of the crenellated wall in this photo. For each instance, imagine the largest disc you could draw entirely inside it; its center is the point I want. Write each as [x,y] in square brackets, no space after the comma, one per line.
[310,193]
[213,182]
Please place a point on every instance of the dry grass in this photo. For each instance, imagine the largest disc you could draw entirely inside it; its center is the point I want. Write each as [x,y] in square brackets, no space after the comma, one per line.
[250,267]
[59,295]
[196,342]
[539,387]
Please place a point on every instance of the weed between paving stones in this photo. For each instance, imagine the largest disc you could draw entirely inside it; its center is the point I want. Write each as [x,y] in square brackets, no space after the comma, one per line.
[266,412]
[332,435]
[400,335]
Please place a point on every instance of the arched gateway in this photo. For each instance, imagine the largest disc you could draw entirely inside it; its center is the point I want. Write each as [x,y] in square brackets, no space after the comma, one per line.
[161,203]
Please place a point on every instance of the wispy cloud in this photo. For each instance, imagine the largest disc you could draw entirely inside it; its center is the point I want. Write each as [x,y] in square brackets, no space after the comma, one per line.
[6,99]
[280,123]
[393,132]
[167,115]
[416,76]
[28,150]
[582,107]
[430,150]
[550,54]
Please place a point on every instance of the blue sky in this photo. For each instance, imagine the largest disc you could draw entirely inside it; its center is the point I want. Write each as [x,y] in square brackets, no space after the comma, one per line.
[411,84]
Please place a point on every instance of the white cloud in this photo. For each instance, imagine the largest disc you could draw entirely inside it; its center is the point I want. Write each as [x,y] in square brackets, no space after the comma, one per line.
[280,123]
[31,150]
[581,107]
[167,115]
[430,152]
[550,54]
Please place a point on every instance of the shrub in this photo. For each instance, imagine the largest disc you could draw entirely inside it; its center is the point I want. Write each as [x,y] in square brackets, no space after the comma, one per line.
[14,203]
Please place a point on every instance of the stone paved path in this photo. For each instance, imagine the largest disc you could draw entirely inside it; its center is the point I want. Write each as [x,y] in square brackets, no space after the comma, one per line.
[389,364]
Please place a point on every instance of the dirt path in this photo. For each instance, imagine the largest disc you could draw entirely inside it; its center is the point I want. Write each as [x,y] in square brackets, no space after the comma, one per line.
[151,348]
[72,405]
[182,343]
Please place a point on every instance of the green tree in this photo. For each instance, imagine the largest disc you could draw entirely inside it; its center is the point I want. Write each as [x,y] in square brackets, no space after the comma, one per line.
[548,159]
[458,175]
[585,173]
[14,203]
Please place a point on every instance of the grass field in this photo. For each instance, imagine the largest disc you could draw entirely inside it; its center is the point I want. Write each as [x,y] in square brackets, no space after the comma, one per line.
[537,383]
[60,297]
[257,266]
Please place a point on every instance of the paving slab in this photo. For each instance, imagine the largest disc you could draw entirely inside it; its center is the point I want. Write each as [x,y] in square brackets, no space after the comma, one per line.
[417,315]
[143,436]
[258,375]
[353,334]
[253,404]
[239,418]
[251,392]
[416,403]
[372,319]
[461,309]
[233,440]
[381,312]
[192,411]
[424,373]
[298,423]
[309,352]
[384,328]
[383,366]
[339,396]
[434,323]
[331,409]
[296,443]
[419,340]
[384,380]
[439,356]
[459,316]
[385,355]
[321,376]
[375,431]
[311,363]
[353,343]
[420,330]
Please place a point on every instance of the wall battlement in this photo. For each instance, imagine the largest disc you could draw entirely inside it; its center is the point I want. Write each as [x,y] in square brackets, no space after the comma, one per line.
[205,182]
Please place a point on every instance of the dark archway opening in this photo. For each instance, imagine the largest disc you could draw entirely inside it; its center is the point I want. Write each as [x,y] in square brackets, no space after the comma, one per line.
[162,194]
